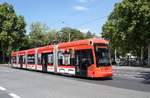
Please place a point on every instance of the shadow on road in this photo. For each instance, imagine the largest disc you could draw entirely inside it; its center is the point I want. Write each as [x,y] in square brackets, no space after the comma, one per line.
[86,78]
[144,75]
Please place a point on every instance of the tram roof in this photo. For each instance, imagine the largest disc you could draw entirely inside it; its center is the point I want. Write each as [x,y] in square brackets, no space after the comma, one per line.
[49,48]
[45,49]
[82,42]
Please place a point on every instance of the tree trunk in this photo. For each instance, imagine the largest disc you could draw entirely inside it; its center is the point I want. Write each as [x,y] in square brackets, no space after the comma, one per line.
[149,54]
[3,56]
[142,55]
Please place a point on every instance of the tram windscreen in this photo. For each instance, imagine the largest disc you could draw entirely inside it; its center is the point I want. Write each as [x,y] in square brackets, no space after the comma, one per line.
[102,57]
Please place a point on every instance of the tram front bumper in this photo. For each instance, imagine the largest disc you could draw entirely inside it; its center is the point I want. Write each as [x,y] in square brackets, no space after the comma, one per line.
[101,72]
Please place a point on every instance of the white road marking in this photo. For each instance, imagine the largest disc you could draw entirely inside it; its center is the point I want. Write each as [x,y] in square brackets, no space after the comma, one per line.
[2,88]
[14,95]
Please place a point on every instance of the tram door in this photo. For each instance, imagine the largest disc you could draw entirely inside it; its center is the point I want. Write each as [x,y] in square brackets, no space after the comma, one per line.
[80,67]
[84,59]
[21,61]
[44,62]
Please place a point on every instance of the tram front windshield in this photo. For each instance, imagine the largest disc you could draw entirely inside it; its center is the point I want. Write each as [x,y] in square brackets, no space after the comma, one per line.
[102,57]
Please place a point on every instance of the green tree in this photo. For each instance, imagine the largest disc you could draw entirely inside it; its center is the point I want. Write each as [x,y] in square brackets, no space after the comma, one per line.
[127,27]
[40,35]
[36,36]
[68,34]
[12,29]
[89,35]
[49,37]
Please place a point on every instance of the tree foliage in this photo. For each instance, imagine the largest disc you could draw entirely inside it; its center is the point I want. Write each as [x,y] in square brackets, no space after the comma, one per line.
[127,26]
[12,29]
[69,34]
[40,35]
[89,35]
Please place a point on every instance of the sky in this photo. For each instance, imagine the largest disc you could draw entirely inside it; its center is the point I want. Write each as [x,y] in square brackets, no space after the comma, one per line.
[79,14]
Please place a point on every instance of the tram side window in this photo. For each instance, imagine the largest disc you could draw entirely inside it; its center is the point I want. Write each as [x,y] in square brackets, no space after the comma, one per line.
[66,57]
[20,59]
[60,57]
[31,59]
[66,60]
[39,59]
[84,57]
[72,57]
[14,60]
[24,60]
[50,58]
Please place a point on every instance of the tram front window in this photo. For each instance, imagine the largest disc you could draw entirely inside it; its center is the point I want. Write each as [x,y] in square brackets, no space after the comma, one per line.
[102,57]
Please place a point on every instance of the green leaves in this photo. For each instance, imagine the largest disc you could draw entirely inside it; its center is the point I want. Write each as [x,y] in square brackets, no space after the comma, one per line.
[40,35]
[128,25]
[69,34]
[12,29]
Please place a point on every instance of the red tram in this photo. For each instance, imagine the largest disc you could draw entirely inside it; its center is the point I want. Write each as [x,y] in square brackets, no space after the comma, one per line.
[85,58]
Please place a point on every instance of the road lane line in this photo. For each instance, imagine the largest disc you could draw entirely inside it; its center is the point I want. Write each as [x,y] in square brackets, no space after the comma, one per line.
[2,88]
[14,95]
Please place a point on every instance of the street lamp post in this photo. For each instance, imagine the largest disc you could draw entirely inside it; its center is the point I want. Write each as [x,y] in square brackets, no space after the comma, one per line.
[129,55]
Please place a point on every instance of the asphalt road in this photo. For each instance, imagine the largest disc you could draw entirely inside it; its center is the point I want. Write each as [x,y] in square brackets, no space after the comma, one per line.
[4,95]
[29,84]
